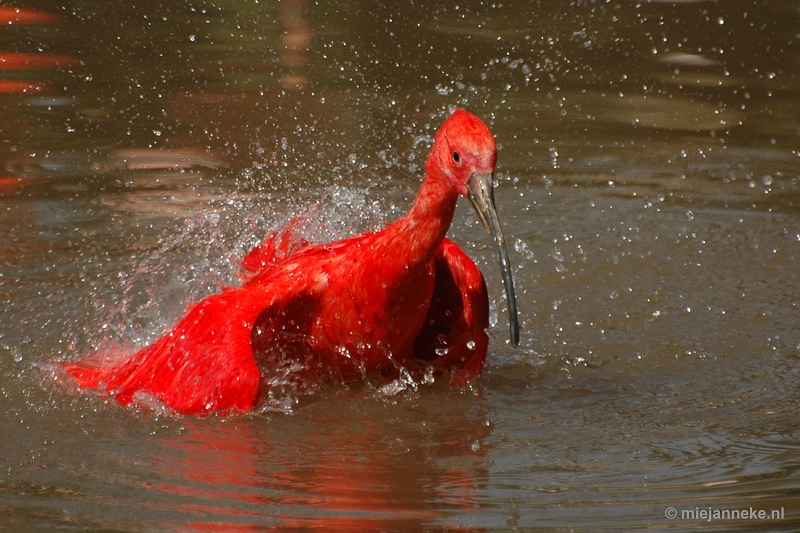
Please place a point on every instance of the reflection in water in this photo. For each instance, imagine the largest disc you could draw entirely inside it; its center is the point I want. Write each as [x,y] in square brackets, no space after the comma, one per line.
[651,178]
[317,473]
[23,87]
[21,61]
[295,43]
[74,164]
[10,16]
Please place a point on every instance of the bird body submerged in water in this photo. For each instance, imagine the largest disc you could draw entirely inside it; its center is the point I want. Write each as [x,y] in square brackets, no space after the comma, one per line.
[403,297]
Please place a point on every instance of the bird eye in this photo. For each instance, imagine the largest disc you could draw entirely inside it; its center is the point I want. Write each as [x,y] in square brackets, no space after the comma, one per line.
[456,157]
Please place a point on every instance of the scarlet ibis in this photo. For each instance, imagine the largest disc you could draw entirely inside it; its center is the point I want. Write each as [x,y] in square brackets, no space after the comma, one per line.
[404,297]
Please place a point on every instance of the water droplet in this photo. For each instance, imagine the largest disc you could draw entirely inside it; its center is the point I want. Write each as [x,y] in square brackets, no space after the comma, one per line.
[476,446]
[613,294]
[470,345]
[522,249]
[396,386]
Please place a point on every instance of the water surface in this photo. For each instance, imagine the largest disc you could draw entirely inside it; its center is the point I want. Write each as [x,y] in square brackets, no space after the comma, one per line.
[648,182]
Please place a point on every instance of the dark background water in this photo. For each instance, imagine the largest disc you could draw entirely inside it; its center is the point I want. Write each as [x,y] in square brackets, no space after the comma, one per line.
[648,180]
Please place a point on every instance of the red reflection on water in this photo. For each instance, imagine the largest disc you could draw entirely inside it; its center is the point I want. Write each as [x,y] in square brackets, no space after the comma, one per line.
[23,87]
[25,61]
[28,61]
[9,182]
[16,15]
[347,477]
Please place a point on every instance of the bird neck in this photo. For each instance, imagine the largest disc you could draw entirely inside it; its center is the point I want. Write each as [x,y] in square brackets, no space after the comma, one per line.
[420,232]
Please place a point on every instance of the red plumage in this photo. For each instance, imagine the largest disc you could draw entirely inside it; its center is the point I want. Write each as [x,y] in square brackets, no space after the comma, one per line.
[403,297]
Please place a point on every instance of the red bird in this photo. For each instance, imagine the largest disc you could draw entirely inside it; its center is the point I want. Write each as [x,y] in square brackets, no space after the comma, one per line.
[404,297]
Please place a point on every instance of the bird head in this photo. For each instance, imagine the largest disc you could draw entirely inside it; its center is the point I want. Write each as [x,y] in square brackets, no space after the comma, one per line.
[463,146]
[465,153]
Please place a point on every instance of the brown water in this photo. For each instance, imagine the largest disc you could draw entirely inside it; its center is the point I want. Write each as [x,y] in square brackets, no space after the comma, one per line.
[649,185]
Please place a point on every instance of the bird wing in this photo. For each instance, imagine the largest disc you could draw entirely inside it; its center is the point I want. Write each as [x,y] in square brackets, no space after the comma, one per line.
[206,361]
[272,250]
[454,338]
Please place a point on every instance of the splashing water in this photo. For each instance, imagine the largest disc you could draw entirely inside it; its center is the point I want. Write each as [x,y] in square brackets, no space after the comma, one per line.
[203,255]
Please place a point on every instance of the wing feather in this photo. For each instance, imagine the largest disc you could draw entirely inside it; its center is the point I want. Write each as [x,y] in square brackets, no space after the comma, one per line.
[204,363]
[454,338]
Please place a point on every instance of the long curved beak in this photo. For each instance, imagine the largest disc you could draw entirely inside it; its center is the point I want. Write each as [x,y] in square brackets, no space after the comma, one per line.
[481,195]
